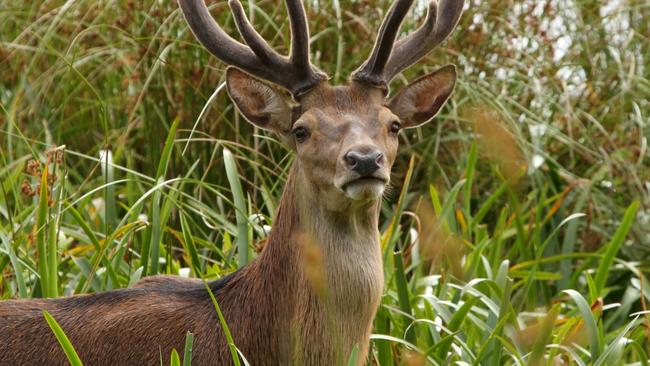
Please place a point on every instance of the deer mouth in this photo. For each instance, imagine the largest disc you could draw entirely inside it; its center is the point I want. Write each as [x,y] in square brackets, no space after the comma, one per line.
[366,180]
[369,187]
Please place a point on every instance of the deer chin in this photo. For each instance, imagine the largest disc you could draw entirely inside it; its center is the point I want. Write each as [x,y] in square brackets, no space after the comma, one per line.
[365,189]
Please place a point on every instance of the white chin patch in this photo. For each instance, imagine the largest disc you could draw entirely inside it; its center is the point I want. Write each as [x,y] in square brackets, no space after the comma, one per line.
[364,190]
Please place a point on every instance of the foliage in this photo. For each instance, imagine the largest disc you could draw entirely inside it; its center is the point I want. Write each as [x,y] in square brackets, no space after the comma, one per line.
[518,228]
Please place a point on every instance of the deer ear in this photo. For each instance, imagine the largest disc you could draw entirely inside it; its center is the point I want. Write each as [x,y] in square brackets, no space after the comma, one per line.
[421,100]
[260,103]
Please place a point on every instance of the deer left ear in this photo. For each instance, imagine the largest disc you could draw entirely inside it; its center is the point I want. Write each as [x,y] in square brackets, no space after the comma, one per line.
[422,99]
[260,103]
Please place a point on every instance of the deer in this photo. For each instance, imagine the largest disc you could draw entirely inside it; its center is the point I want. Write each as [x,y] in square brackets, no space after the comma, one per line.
[345,140]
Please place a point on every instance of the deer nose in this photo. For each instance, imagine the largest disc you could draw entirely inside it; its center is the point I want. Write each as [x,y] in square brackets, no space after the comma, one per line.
[364,163]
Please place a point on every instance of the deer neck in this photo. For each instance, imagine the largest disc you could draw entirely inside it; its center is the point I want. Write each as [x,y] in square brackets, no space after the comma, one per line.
[331,266]
[304,219]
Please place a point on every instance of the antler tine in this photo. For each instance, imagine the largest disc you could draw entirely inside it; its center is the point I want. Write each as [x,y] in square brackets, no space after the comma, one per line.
[296,73]
[259,46]
[440,22]
[299,35]
[371,71]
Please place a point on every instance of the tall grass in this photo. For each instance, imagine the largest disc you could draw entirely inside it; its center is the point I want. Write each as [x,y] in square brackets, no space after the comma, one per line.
[519,224]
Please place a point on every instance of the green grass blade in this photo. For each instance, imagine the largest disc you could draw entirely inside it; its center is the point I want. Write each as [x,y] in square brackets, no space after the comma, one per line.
[403,295]
[174,359]
[187,353]
[67,347]
[52,257]
[382,326]
[448,212]
[469,180]
[190,246]
[152,256]
[18,268]
[353,360]
[108,174]
[151,253]
[595,340]
[442,348]
[392,231]
[611,249]
[167,150]
[613,351]
[240,207]
[41,230]
[53,240]
[81,221]
[224,327]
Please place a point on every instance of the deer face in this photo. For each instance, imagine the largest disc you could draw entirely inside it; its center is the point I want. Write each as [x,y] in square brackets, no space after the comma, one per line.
[346,141]
[345,137]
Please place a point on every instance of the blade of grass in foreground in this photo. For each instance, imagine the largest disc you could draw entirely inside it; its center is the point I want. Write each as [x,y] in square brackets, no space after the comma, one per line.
[187,353]
[469,178]
[151,255]
[442,348]
[67,347]
[240,207]
[41,220]
[389,236]
[595,340]
[18,274]
[167,150]
[156,227]
[188,242]
[224,325]
[611,249]
[175,360]
[354,356]
[403,295]
[52,240]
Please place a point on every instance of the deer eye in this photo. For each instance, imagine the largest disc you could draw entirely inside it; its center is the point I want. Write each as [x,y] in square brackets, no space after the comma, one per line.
[300,133]
[395,127]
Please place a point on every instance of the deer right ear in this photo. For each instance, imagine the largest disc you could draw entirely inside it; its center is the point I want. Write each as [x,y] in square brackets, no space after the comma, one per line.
[261,104]
[422,99]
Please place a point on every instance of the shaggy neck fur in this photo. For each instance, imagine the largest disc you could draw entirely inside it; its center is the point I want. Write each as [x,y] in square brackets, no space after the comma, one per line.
[331,263]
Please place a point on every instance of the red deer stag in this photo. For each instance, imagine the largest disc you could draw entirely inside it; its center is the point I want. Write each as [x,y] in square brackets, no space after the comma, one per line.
[345,139]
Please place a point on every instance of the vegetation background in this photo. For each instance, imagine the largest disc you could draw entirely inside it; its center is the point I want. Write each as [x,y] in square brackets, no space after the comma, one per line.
[518,228]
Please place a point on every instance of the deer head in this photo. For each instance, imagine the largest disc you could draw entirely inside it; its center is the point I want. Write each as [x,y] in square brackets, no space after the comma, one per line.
[345,137]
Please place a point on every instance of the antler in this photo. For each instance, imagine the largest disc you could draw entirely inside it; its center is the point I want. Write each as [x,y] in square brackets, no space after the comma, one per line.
[295,73]
[386,61]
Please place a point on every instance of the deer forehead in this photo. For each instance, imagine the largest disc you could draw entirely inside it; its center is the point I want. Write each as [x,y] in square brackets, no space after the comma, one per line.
[347,109]
[347,126]
[345,97]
